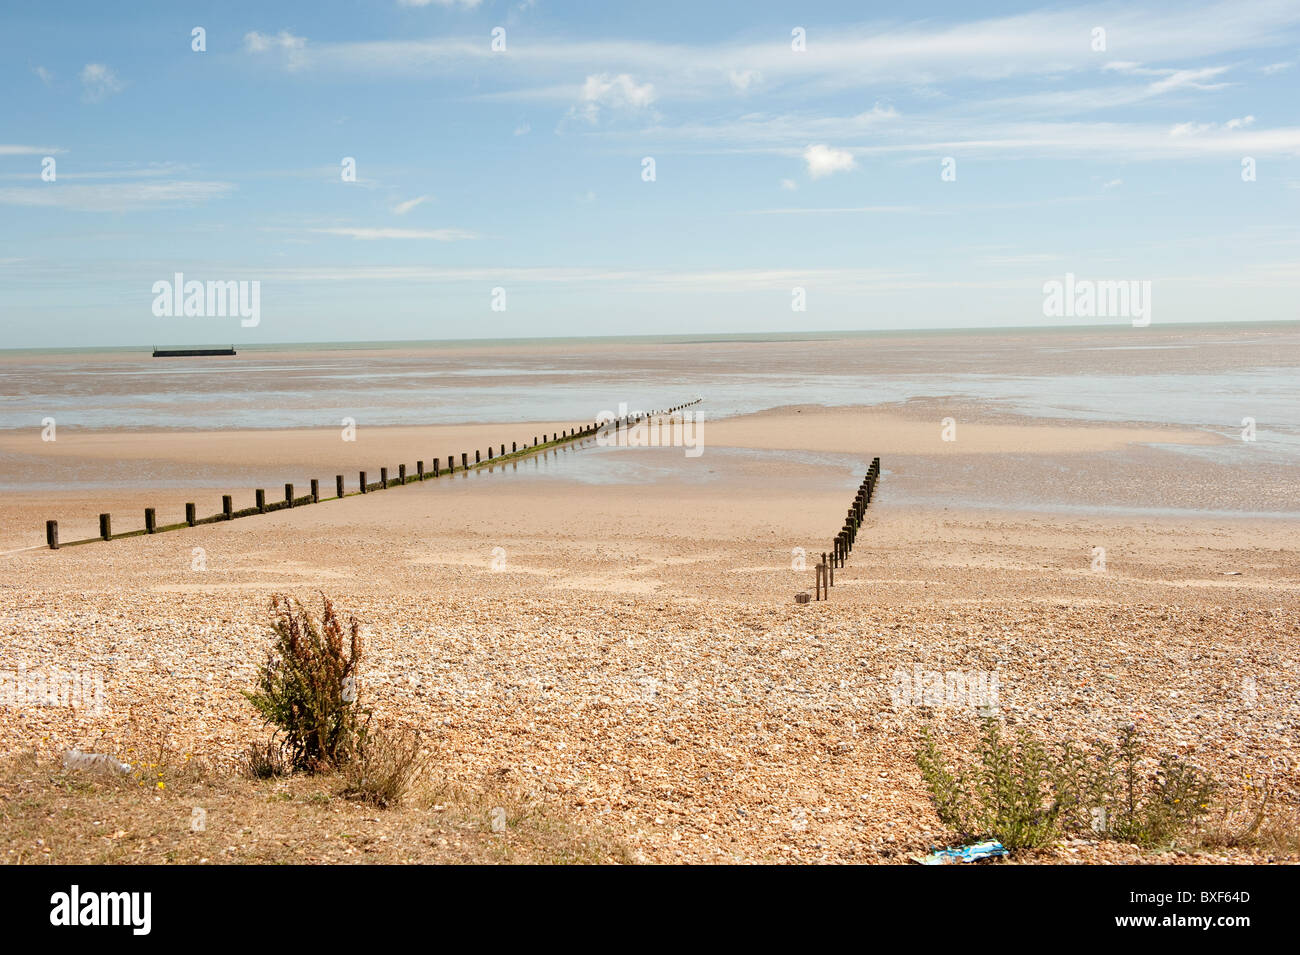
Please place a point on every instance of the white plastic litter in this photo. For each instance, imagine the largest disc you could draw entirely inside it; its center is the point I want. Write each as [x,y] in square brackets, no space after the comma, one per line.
[93,762]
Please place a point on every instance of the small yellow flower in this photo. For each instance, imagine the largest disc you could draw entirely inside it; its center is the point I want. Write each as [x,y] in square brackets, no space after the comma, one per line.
[162,785]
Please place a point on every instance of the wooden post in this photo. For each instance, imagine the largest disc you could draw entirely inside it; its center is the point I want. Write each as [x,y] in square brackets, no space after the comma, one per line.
[464,460]
[534,440]
[451,464]
[503,450]
[105,527]
[315,491]
[288,494]
[514,446]
[52,534]
[190,515]
[383,477]
[477,457]
[260,494]
[150,521]
[435,466]
[363,482]
[227,507]
[419,470]
[338,485]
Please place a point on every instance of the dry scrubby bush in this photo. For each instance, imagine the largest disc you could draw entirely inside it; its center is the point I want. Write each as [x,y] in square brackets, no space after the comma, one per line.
[308,685]
[308,689]
[1024,795]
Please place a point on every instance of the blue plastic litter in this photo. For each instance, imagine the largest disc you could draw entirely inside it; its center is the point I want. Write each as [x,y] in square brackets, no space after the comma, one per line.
[971,853]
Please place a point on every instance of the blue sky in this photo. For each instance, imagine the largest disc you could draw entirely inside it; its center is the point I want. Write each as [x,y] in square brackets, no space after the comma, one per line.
[522,169]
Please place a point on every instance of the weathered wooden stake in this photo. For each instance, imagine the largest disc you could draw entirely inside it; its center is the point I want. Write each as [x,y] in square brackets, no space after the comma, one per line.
[464,460]
[383,477]
[338,485]
[260,494]
[315,490]
[150,521]
[190,516]
[105,527]
[52,534]
[363,482]
[419,470]
[288,494]
[227,507]
[435,466]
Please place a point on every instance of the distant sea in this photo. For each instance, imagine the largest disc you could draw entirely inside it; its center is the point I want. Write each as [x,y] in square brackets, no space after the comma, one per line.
[1197,376]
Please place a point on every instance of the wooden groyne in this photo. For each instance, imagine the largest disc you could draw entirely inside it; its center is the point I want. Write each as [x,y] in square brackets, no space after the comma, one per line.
[364,486]
[842,545]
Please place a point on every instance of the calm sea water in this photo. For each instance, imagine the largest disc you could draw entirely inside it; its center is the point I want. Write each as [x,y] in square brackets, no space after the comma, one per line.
[1201,377]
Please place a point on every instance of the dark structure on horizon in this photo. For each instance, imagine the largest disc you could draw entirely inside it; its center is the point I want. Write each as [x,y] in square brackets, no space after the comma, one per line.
[190,352]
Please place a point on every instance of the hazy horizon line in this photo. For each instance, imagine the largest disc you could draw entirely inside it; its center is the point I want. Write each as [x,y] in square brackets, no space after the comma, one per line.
[669,338]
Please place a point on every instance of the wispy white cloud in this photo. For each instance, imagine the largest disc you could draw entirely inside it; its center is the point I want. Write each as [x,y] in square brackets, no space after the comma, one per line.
[98,82]
[402,208]
[977,136]
[115,197]
[292,49]
[619,92]
[1049,42]
[823,160]
[45,75]
[467,4]
[833,210]
[13,149]
[373,233]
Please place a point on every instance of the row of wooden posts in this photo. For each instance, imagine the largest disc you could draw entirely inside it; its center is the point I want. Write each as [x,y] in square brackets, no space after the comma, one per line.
[262,506]
[842,545]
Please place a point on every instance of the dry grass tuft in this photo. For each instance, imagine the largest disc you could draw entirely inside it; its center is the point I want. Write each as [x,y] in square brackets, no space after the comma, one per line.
[1248,818]
[386,764]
